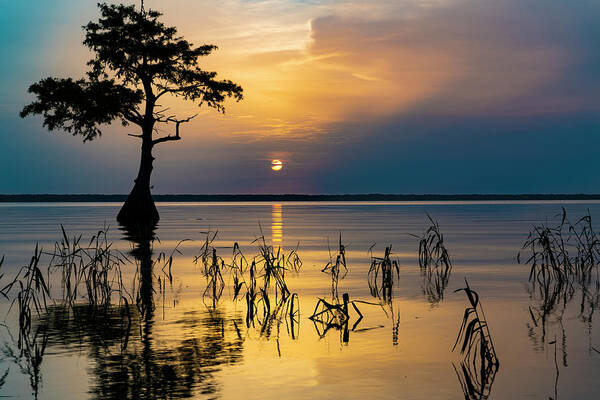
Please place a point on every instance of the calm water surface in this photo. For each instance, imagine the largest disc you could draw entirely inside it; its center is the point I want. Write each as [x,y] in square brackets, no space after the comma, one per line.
[192,348]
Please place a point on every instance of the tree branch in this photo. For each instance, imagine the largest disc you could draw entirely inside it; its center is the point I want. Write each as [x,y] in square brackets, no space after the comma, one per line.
[162,92]
[165,139]
[134,116]
[177,123]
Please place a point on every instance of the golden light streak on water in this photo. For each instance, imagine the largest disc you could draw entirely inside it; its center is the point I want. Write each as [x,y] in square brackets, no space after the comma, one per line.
[277,223]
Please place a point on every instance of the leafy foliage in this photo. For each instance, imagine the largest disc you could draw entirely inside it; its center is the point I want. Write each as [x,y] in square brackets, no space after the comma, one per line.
[139,49]
[80,106]
[137,60]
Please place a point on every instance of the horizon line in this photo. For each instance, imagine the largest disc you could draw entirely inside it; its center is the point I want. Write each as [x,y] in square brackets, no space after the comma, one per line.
[49,197]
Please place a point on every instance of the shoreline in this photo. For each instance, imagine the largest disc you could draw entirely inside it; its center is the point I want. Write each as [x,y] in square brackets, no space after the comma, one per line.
[375,197]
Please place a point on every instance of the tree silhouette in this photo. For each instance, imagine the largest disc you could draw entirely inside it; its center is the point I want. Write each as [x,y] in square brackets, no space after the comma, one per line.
[137,61]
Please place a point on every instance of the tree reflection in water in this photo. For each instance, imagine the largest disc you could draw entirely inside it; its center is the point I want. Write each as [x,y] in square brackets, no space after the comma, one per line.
[130,361]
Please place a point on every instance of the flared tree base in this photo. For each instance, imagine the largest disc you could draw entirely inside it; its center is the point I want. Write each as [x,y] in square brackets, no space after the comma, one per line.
[139,208]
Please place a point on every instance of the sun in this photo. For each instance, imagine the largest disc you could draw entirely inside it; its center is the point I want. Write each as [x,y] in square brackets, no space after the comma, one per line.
[276,165]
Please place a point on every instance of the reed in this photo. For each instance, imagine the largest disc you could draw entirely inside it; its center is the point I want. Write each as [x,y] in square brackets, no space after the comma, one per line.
[90,291]
[563,251]
[564,260]
[434,262]
[213,268]
[381,274]
[432,250]
[260,281]
[271,265]
[337,267]
[274,266]
[213,272]
[479,363]
[86,273]
[91,272]
[292,313]
[4,290]
[32,294]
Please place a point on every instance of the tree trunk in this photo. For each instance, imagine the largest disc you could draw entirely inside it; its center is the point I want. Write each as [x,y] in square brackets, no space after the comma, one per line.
[139,206]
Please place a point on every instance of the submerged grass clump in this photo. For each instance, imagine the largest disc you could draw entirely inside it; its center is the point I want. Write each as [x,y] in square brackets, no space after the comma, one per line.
[434,262]
[32,294]
[564,261]
[479,363]
[260,281]
[89,272]
[274,266]
[381,274]
[270,266]
[432,251]
[213,267]
[564,252]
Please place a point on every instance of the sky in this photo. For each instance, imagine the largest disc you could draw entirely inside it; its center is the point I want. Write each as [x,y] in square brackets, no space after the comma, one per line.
[384,96]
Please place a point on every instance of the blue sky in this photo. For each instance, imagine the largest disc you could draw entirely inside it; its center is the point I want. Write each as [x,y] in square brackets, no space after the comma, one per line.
[415,96]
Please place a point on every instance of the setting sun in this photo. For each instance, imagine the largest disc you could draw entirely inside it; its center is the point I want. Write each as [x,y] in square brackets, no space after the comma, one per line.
[276,165]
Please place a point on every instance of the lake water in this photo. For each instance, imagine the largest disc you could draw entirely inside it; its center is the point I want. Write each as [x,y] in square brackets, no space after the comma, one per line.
[194,346]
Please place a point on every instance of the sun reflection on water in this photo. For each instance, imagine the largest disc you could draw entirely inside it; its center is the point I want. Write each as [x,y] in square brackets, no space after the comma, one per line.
[277,223]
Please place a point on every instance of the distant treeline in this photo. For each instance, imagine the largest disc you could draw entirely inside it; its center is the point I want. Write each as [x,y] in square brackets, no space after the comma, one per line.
[5,198]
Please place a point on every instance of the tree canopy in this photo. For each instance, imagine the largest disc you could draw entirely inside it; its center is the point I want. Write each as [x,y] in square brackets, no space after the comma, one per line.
[137,61]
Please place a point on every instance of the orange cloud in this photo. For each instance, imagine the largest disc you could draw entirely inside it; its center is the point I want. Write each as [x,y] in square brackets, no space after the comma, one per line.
[456,58]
